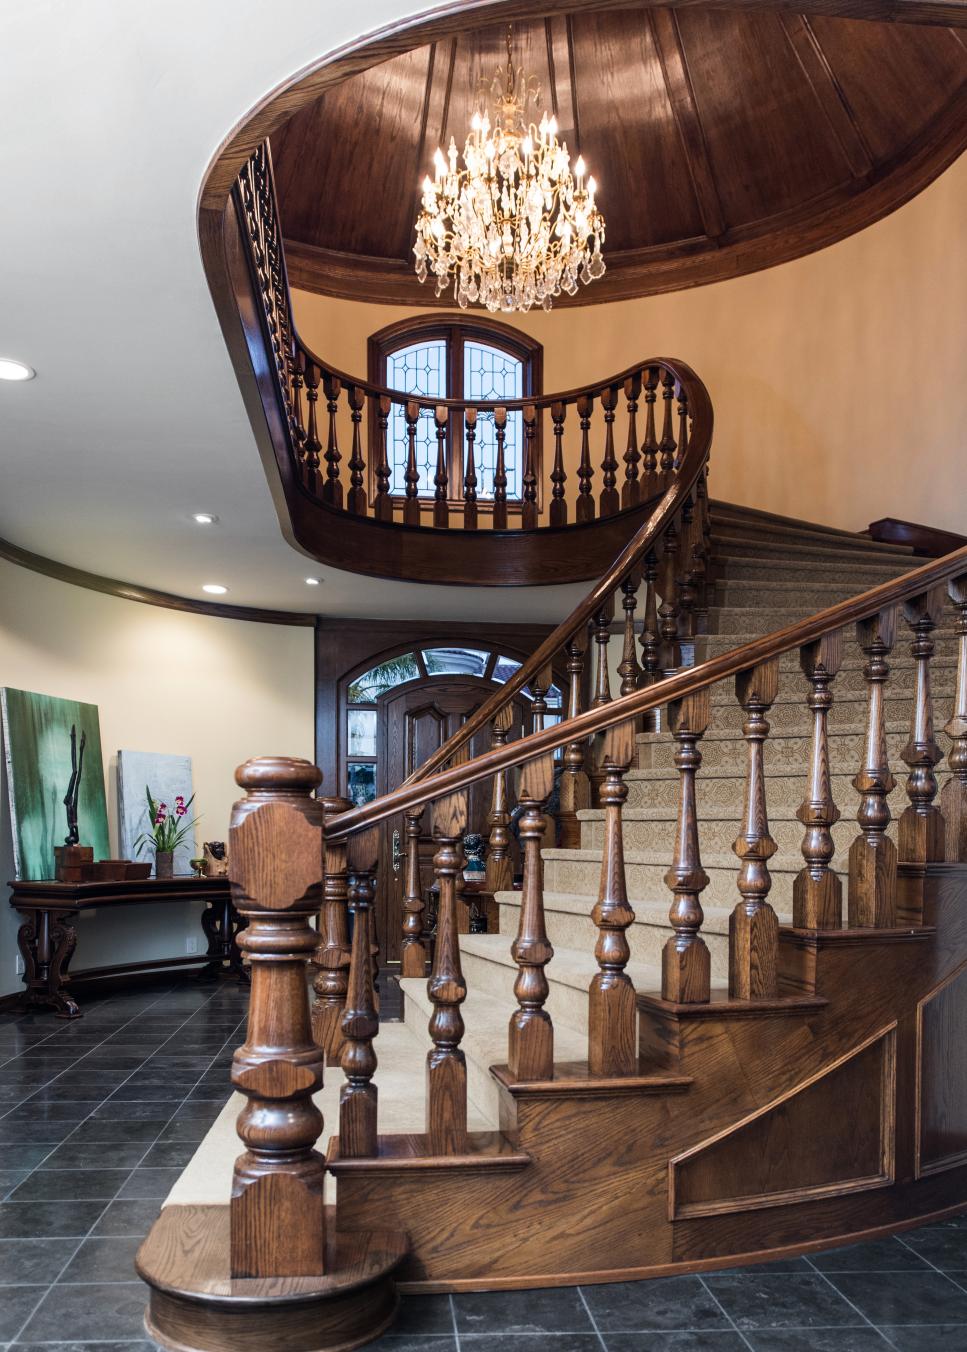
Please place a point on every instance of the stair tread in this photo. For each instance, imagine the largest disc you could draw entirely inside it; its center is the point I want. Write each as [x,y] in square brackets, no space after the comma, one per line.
[648,911]
[661,859]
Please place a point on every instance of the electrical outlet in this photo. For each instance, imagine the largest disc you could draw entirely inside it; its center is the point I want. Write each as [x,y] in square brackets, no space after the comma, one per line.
[191,945]
[20,965]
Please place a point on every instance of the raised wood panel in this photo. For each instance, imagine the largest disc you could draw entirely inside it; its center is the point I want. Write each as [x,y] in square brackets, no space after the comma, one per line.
[942,1076]
[830,1135]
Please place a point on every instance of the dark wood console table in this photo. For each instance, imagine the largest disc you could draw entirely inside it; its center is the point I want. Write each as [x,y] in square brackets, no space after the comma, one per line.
[48,937]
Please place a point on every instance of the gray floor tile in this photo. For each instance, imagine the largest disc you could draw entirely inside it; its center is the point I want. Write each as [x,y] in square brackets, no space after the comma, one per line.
[863,1339]
[671,1303]
[424,1314]
[705,1340]
[945,1246]
[54,1185]
[786,1300]
[407,1342]
[24,1261]
[128,1218]
[880,1255]
[93,1311]
[72,1155]
[16,1306]
[145,1183]
[935,1338]
[40,1220]
[556,1309]
[904,1298]
[530,1342]
[103,1260]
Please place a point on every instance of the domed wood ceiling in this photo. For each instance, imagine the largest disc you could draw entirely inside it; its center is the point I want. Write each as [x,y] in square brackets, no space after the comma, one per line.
[724,141]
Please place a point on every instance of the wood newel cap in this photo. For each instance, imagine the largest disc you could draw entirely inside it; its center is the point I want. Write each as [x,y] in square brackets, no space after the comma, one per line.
[276,836]
[333,804]
[278,774]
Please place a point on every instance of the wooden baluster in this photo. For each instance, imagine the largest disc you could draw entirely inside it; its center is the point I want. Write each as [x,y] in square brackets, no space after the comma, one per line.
[470,473]
[313,445]
[298,367]
[602,637]
[356,502]
[331,958]
[610,500]
[446,1067]
[500,471]
[686,965]
[873,856]
[530,1053]
[817,895]
[277,1209]
[360,1024]
[631,488]
[383,508]
[332,488]
[558,514]
[612,1017]
[689,569]
[413,953]
[441,510]
[528,519]
[753,925]
[921,831]
[953,798]
[667,446]
[411,475]
[500,869]
[650,636]
[682,425]
[705,547]
[575,788]
[539,685]
[628,666]
[670,653]
[584,508]
[649,447]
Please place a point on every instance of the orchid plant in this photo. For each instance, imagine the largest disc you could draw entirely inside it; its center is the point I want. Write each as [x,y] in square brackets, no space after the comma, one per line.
[168,827]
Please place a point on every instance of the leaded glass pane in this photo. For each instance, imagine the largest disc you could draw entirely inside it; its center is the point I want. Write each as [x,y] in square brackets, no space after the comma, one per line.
[421,369]
[455,661]
[362,732]
[504,668]
[361,782]
[366,689]
[489,374]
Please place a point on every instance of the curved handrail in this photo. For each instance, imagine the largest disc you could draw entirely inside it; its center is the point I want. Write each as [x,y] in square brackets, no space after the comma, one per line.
[691,467]
[683,683]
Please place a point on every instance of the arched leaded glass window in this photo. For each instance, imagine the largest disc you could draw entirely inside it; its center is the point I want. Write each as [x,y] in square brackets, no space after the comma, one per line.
[449,358]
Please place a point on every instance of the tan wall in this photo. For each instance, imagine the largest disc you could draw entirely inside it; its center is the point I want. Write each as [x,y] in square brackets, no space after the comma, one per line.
[837,380]
[216,690]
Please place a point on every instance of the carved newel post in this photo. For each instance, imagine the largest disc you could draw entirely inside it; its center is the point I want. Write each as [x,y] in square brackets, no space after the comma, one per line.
[276,852]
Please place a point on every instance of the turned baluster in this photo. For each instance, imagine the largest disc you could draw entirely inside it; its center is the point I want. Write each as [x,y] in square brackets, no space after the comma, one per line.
[609,501]
[921,832]
[441,510]
[953,798]
[332,488]
[817,895]
[873,856]
[558,513]
[682,425]
[313,445]
[529,477]
[530,1053]
[360,1024]
[631,488]
[356,501]
[753,925]
[703,538]
[575,787]
[649,447]
[277,1208]
[446,1067]
[650,636]
[470,473]
[628,666]
[667,446]
[612,1020]
[500,470]
[331,958]
[298,368]
[383,508]
[669,653]
[584,508]
[500,870]
[411,475]
[686,965]
[602,637]
[413,953]
[689,567]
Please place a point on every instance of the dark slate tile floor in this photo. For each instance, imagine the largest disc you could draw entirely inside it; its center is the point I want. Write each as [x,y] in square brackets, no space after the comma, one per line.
[98,1117]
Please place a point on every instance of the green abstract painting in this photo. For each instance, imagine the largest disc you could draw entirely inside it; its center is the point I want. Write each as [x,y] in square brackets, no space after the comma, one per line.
[37,750]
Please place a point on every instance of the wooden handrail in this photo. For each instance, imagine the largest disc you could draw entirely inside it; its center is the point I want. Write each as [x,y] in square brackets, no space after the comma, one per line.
[683,683]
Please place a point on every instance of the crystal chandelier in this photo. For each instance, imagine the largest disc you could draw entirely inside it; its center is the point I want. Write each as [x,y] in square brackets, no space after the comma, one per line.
[514,226]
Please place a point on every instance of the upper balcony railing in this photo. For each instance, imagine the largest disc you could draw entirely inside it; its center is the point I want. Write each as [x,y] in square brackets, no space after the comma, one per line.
[573,512]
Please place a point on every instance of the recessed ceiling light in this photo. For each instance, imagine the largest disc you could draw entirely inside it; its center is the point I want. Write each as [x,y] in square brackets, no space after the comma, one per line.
[214,589]
[10,369]
[205,518]
[313,581]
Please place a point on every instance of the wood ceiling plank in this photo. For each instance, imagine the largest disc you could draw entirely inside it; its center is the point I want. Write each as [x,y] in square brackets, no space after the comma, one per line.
[829,93]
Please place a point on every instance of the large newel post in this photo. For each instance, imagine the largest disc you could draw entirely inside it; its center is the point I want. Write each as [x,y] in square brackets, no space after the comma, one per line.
[276,851]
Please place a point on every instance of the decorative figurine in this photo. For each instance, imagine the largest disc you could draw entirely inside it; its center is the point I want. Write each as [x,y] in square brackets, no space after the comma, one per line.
[199,868]
[474,869]
[74,786]
[216,858]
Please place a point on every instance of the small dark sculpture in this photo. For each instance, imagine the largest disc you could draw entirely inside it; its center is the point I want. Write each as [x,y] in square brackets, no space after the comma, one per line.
[74,787]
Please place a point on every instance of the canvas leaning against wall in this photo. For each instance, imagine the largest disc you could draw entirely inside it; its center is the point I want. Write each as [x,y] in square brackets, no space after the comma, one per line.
[167,777]
[37,752]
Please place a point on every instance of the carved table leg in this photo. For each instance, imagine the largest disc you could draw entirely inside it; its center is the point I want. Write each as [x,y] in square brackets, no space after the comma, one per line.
[47,941]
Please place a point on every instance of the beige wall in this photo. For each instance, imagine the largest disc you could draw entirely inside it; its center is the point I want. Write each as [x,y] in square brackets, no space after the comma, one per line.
[837,380]
[216,690]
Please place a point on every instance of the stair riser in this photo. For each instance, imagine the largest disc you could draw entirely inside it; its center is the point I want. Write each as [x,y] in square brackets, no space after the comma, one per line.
[718,641]
[850,692]
[798,595]
[785,754]
[808,551]
[482,1088]
[724,792]
[753,619]
[735,568]
[717,836]
[565,1004]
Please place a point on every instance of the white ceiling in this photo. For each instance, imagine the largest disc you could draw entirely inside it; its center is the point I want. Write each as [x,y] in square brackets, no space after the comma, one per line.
[111,112]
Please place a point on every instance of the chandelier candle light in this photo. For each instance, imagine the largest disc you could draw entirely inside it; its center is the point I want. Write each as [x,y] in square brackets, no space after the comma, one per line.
[514,226]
